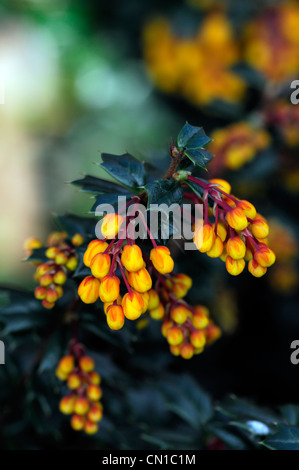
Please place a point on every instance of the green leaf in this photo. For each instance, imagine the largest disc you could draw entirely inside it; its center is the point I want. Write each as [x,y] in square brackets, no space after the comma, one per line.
[111,199]
[164,192]
[192,137]
[191,140]
[92,184]
[124,168]
[286,438]
[199,157]
[38,254]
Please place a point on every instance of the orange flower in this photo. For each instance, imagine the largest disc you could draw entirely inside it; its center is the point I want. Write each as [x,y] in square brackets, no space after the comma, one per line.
[264,256]
[131,258]
[161,259]
[132,304]
[88,290]
[234,266]
[216,249]
[179,314]
[204,237]
[248,208]
[100,265]
[236,248]
[110,225]
[158,312]
[236,219]
[259,228]
[115,317]
[153,300]
[95,247]
[256,269]
[140,280]
[109,288]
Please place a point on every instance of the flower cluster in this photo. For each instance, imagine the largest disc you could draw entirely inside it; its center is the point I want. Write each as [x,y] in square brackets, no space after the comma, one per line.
[236,145]
[83,401]
[187,329]
[150,287]
[103,259]
[284,116]
[52,274]
[179,65]
[272,42]
[238,232]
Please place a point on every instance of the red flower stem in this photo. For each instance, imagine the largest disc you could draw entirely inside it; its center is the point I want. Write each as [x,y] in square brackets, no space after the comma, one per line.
[148,231]
[123,275]
[211,188]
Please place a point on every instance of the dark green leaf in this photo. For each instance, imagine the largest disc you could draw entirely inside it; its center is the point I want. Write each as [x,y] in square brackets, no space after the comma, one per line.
[192,137]
[164,192]
[124,168]
[286,438]
[199,157]
[92,184]
[72,224]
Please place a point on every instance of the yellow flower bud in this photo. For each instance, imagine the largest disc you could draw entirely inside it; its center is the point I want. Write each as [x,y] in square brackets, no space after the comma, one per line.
[179,314]
[198,339]
[221,231]
[224,185]
[88,290]
[107,304]
[236,219]
[187,351]
[66,405]
[154,299]
[95,247]
[132,304]
[216,249]
[162,260]
[234,266]
[66,364]
[259,228]
[77,422]
[140,280]
[77,239]
[264,256]
[236,248]
[204,237]
[158,312]
[174,335]
[256,269]
[131,258]
[115,317]
[100,265]
[86,364]
[248,208]
[109,288]
[111,225]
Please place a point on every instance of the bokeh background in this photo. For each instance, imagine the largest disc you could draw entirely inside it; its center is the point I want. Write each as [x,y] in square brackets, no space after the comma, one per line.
[83,77]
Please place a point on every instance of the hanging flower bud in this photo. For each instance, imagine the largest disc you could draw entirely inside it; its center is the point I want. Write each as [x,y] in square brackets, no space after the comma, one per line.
[66,404]
[234,266]
[264,256]
[248,208]
[224,185]
[109,288]
[174,335]
[179,314]
[86,364]
[236,248]
[216,249]
[198,339]
[100,265]
[221,231]
[158,312]
[153,300]
[140,280]
[131,258]
[256,269]
[161,259]
[115,317]
[94,248]
[259,228]
[132,304]
[187,351]
[111,225]
[88,290]
[204,237]
[236,219]
[81,406]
